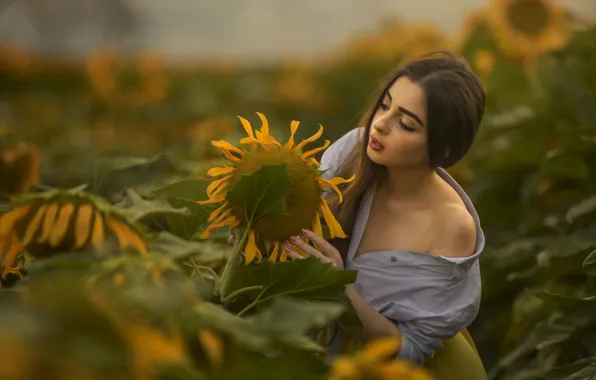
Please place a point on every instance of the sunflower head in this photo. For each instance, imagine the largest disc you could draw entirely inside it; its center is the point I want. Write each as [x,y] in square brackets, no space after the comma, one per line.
[273,190]
[527,28]
[63,221]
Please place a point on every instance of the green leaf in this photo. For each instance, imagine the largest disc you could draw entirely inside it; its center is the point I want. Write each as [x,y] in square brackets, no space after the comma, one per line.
[112,175]
[262,193]
[583,208]
[285,321]
[307,279]
[186,193]
[203,252]
[137,208]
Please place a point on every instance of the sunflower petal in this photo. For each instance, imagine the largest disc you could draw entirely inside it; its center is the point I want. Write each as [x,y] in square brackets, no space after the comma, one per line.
[216,212]
[339,180]
[313,162]
[252,251]
[212,346]
[250,141]
[8,220]
[61,225]
[327,183]
[215,184]
[247,127]
[380,349]
[275,252]
[335,229]
[293,128]
[33,225]
[224,145]
[83,224]
[48,222]
[230,221]
[284,254]
[216,172]
[311,152]
[264,134]
[312,138]
[213,199]
[10,248]
[98,234]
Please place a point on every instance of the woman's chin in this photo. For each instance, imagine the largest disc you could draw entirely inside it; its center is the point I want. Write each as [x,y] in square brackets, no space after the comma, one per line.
[375,156]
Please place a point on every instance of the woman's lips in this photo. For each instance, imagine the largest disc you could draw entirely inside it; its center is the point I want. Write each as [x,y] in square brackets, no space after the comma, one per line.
[375,144]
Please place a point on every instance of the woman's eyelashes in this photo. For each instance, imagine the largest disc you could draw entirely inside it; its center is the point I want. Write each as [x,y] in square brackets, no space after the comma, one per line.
[384,107]
[404,125]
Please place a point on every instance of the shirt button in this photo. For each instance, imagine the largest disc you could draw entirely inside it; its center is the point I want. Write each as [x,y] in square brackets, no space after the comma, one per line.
[393,258]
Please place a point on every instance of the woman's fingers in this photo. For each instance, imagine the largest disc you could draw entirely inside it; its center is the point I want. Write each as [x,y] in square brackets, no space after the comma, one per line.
[293,254]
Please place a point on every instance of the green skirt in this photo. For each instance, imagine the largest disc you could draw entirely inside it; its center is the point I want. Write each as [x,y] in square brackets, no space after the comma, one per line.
[458,359]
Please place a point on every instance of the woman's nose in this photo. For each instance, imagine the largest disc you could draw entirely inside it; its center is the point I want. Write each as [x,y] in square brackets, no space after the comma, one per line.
[380,124]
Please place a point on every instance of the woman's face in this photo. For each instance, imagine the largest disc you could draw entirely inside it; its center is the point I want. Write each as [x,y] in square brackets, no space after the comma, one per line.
[398,130]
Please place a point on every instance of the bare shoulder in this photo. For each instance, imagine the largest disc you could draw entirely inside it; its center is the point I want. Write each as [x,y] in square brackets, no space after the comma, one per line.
[456,230]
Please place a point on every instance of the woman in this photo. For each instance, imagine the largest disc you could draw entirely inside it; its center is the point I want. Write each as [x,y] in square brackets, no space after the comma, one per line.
[415,237]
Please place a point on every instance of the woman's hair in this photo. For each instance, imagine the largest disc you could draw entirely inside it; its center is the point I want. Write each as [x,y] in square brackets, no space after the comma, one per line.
[454,100]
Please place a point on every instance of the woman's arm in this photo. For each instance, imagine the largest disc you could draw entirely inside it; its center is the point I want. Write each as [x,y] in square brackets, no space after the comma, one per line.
[374,325]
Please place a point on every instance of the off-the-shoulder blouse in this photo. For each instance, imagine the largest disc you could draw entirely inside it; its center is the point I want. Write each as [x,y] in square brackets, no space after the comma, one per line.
[430,297]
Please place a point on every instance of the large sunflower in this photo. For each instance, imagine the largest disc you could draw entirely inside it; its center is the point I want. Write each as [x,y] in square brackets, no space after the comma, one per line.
[304,204]
[62,221]
[527,28]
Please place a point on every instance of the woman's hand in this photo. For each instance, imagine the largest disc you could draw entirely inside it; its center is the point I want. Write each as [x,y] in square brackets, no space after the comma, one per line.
[327,253]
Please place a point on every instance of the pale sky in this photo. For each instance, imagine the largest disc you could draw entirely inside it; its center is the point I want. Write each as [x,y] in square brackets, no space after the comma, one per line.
[248,29]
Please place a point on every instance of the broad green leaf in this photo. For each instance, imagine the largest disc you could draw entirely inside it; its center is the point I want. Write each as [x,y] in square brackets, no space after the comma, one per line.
[113,175]
[176,248]
[192,189]
[186,193]
[137,208]
[262,192]
[307,279]
[285,321]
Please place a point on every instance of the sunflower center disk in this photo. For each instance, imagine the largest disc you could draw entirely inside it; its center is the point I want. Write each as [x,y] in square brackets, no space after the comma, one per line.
[301,203]
[528,17]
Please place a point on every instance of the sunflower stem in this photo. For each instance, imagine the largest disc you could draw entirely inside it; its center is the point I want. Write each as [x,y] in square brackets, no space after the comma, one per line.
[227,273]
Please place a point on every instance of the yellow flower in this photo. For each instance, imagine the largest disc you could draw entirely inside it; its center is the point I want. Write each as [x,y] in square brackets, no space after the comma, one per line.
[526,28]
[484,61]
[304,205]
[372,363]
[63,222]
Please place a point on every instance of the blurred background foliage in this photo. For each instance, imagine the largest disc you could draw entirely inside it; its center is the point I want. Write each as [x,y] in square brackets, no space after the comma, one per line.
[531,174]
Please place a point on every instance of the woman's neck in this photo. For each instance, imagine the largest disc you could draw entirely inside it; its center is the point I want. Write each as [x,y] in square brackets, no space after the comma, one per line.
[409,182]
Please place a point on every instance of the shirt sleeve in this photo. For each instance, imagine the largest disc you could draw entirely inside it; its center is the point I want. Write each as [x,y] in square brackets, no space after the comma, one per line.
[337,152]
[424,326]
[428,303]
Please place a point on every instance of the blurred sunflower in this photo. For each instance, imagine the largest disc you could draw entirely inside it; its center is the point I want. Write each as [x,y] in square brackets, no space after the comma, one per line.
[304,203]
[526,28]
[61,221]
[371,363]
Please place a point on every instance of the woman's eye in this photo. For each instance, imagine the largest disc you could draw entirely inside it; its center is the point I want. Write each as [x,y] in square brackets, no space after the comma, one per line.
[404,126]
[384,107]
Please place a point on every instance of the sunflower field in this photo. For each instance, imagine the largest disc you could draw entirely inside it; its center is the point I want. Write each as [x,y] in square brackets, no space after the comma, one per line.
[121,176]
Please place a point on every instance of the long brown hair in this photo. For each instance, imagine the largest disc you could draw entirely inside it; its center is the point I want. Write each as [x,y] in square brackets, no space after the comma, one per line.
[455,102]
